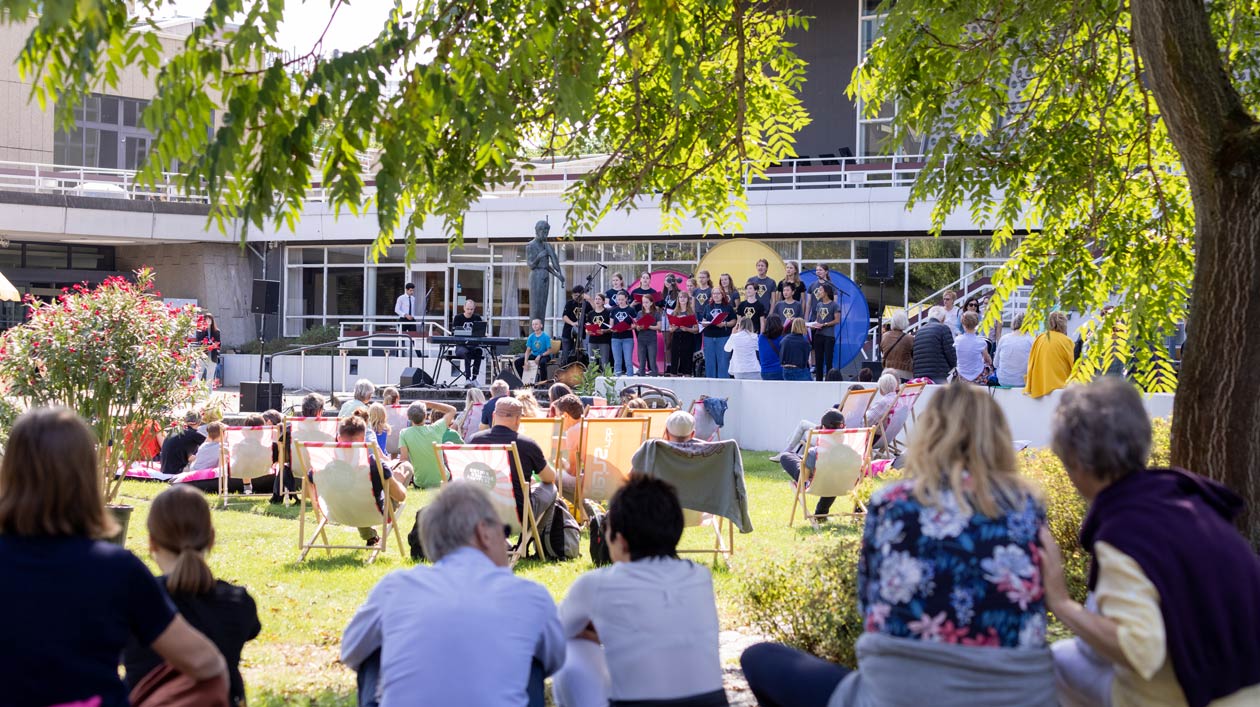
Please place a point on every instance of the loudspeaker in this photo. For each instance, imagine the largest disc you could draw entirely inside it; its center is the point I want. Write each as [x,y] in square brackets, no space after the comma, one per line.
[509,376]
[266,297]
[879,260]
[414,377]
[257,396]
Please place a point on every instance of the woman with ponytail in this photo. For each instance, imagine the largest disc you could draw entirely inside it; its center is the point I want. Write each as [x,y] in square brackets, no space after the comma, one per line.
[180,535]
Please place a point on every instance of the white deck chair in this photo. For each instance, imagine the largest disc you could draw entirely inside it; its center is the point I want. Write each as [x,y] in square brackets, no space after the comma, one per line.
[245,453]
[493,466]
[340,486]
[656,419]
[843,458]
[602,411]
[902,410]
[396,418]
[706,427]
[855,404]
[606,450]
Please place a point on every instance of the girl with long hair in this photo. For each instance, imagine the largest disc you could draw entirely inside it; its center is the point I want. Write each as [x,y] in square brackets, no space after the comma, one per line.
[468,420]
[211,340]
[378,423]
[824,316]
[726,283]
[716,359]
[601,317]
[791,277]
[685,339]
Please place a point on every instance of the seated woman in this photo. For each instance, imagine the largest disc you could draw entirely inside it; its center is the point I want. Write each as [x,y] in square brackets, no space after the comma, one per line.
[643,631]
[974,364]
[1177,588]
[885,396]
[1051,359]
[180,534]
[792,462]
[949,580]
[80,598]
[569,409]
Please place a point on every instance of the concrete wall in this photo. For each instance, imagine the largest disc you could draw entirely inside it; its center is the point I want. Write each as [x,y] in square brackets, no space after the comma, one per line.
[830,47]
[218,275]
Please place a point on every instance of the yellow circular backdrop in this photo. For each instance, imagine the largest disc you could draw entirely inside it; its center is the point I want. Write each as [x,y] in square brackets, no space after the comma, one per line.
[739,258]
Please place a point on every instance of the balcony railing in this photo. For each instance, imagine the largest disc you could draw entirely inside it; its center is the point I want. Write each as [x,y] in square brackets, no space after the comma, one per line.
[543,180]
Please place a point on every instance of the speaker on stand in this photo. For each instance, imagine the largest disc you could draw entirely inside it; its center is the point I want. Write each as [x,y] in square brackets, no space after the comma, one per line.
[264,300]
[880,264]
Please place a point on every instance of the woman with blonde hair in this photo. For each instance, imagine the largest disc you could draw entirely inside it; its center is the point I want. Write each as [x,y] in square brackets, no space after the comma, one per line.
[377,422]
[468,420]
[72,598]
[1051,359]
[792,276]
[529,403]
[949,579]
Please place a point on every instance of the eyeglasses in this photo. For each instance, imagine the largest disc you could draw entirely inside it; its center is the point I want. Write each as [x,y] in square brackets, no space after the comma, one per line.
[507,531]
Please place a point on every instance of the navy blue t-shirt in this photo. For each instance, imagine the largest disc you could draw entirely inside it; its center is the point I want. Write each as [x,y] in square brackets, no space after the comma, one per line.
[68,606]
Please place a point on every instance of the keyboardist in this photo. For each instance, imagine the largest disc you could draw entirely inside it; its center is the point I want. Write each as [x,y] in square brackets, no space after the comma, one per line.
[471,355]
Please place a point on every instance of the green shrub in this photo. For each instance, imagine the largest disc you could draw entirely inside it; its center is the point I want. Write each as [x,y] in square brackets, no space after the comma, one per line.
[869,485]
[808,599]
[1065,510]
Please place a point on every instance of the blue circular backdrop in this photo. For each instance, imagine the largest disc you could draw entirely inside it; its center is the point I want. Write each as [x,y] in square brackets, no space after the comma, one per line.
[855,316]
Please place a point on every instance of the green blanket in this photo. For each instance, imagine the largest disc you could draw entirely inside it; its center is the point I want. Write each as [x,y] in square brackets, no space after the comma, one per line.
[709,476]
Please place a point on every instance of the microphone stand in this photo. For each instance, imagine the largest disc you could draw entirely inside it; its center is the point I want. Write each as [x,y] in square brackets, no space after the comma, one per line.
[581,332]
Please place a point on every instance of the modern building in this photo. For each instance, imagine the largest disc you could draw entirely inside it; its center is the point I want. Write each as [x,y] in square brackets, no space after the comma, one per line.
[69,212]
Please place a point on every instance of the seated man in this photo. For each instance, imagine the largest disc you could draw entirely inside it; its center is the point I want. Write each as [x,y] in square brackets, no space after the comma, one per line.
[498,389]
[507,420]
[415,443]
[791,462]
[653,613]
[178,449]
[680,429]
[354,429]
[465,631]
[471,354]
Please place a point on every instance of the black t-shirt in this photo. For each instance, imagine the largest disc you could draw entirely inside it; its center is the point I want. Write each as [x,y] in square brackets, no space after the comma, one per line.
[789,310]
[68,606]
[178,448]
[765,290]
[226,615]
[460,321]
[718,331]
[798,290]
[573,311]
[754,310]
[622,315]
[824,312]
[669,299]
[610,296]
[636,296]
[602,319]
[532,457]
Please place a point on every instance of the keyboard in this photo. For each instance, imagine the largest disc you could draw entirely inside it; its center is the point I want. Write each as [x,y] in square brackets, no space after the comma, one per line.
[487,341]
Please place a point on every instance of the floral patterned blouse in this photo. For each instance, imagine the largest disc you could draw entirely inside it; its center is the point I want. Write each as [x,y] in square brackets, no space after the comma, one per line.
[937,574]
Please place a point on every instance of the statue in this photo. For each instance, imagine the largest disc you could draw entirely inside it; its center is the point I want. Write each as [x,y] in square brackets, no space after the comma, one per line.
[543,262]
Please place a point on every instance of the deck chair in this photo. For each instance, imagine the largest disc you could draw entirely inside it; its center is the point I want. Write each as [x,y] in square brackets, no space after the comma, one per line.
[710,487]
[895,422]
[605,453]
[492,466]
[854,405]
[602,411]
[843,457]
[546,432]
[706,427]
[307,429]
[339,484]
[245,453]
[396,418]
[656,419]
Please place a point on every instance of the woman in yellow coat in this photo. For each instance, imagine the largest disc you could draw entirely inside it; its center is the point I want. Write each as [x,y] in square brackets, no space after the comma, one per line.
[1050,362]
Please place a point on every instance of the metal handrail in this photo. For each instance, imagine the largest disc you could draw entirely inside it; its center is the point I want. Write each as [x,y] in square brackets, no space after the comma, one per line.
[271,370]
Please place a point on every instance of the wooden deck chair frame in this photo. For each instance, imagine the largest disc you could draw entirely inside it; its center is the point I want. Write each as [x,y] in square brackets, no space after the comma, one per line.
[225,462]
[388,517]
[546,432]
[802,484]
[584,441]
[721,545]
[656,419]
[891,446]
[529,525]
[856,401]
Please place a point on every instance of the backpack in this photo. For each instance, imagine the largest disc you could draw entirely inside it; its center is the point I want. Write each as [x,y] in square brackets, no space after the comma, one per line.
[561,534]
[413,540]
[599,544]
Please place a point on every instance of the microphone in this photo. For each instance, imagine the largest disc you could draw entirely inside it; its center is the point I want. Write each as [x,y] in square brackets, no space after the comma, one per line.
[603,267]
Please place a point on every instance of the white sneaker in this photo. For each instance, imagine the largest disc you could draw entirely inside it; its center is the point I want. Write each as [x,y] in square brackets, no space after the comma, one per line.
[776,457]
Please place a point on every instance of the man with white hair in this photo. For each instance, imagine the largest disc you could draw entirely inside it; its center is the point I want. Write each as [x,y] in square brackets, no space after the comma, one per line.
[465,631]
[364,389]
[934,355]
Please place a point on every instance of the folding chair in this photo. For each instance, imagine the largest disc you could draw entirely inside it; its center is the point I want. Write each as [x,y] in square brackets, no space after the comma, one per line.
[306,429]
[340,486]
[843,457]
[706,427]
[546,432]
[854,405]
[895,422]
[605,454]
[396,418]
[602,411]
[492,466]
[656,419]
[245,453]
[720,465]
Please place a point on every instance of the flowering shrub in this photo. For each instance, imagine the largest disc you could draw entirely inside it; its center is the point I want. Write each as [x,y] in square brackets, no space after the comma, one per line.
[116,354]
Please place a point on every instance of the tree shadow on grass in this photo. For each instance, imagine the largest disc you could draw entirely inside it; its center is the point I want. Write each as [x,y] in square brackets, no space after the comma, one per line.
[257,507]
[322,698]
[339,559]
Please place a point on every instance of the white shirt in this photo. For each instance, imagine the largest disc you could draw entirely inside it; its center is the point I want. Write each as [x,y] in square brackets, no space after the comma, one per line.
[969,348]
[743,346]
[658,623]
[207,456]
[1011,359]
[953,321]
[462,632]
[405,305]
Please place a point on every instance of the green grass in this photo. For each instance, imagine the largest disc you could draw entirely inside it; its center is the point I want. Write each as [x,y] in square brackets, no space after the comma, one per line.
[304,606]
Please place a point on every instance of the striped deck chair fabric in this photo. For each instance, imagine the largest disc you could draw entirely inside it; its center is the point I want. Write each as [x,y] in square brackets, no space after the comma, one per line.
[310,429]
[493,466]
[843,458]
[245,454]
[396,418]
[902,411]
[605,453]
[855,404]
[602,411]
[341,479]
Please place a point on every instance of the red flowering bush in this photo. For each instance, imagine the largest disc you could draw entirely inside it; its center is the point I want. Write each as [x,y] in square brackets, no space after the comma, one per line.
[116,354]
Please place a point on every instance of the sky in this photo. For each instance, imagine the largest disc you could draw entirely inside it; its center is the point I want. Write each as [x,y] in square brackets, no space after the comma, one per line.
[355,25]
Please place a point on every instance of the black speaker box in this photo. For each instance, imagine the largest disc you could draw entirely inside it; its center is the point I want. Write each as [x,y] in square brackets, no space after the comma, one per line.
[414,378]
[266,297]
[879,262]
[509,376]
[257,396]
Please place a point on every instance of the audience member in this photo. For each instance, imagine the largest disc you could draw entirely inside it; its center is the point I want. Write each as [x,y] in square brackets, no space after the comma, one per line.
[949,580]
[768,349]
[1011,359]
[793,463]
[742,346]
[465,631]
[391,396]
[468,421]
[363,392]
[180,535]
[415,443]
[569,409]
[1176,588]
[971,352]
[644,630]
[180,448]
[507,420]
[207,456]
[354,430]
[378,422]
[794,353]
[529,404]
[897,347]
[498,389]
[934,355]
[680,428]
[559,390]
[1050,361]
[70,601]
[885,397]
[949,304]
[865,375]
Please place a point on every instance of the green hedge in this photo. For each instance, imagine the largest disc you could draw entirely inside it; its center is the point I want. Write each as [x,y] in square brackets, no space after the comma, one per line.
[315,335]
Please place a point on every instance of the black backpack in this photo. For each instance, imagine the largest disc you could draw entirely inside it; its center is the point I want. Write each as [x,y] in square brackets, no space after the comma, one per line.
[413,539]
[599,544]
[561,534]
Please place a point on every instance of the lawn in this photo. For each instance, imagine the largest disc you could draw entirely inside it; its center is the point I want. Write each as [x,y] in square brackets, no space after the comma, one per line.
[305,605]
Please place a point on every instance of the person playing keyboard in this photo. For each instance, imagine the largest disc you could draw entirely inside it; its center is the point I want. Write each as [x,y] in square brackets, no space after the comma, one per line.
[471,354]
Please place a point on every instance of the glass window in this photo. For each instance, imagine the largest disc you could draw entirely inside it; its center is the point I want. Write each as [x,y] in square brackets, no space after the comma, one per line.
[579,252]
[980,248]
[109,110]
[90,110]
[345,292]
[108,156]
[347,255]
[828,250]
[91,147]
[87,258]
[307,256]
[43,255]
[876,139]
[788,250]
[311,294]
[674,252]
[926,279]
[468,253]
[931,247]
[131,113]
[11,256]
[389,285]
[624,253]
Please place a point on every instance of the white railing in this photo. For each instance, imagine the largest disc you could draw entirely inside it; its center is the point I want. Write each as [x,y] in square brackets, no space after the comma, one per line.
[391,345]
[546,180]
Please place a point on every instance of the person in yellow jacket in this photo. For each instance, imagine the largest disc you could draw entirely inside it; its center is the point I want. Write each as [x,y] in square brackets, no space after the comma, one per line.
[1050,362]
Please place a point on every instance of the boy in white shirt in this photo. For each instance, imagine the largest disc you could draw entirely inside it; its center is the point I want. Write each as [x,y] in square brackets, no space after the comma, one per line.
[208,453]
